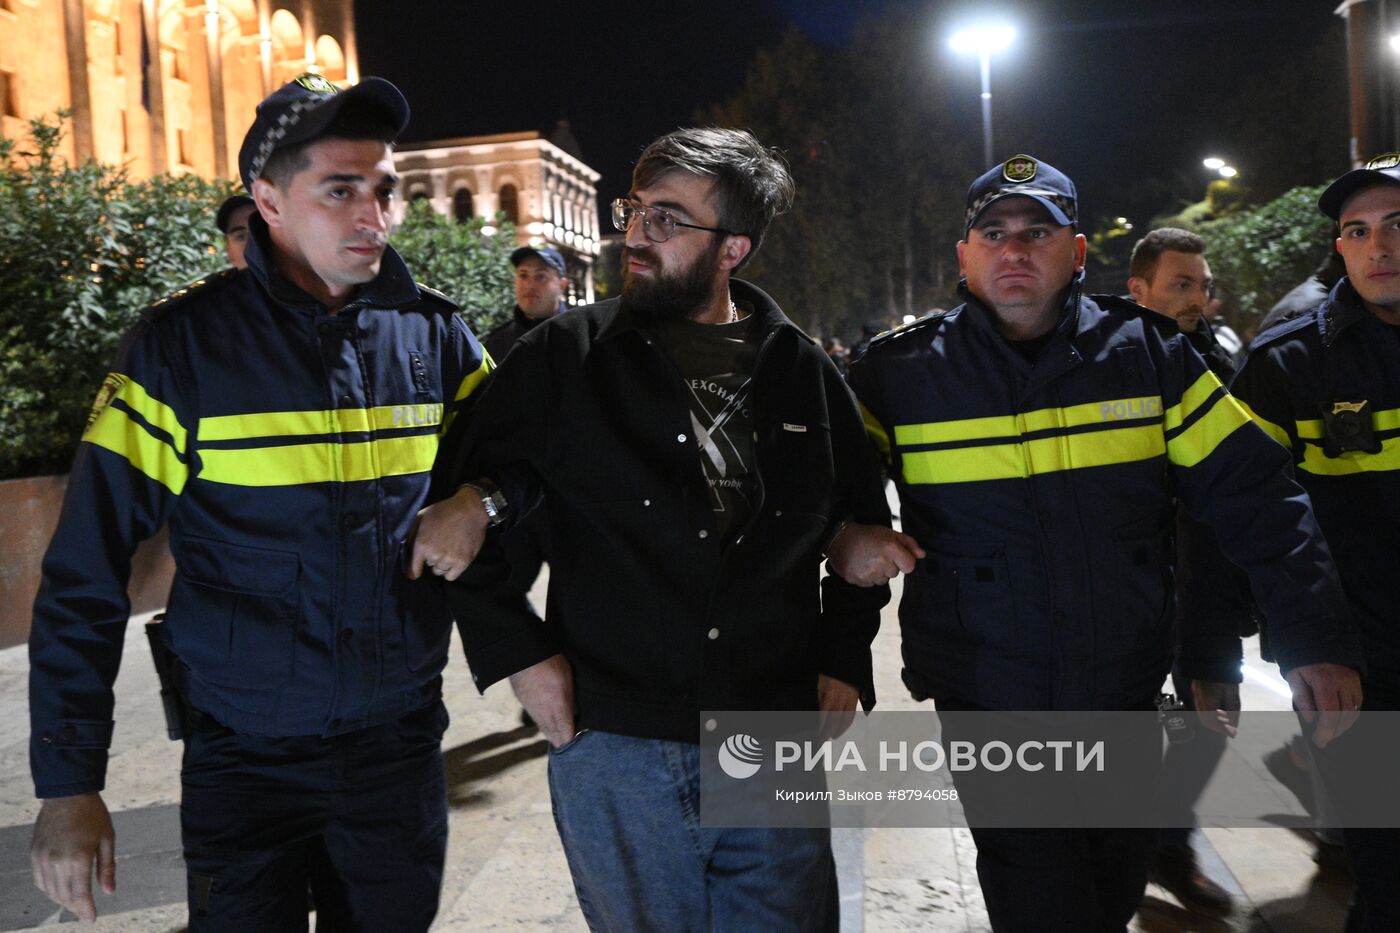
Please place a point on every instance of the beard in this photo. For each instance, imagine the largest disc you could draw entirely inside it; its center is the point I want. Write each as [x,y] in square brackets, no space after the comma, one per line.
[669,296]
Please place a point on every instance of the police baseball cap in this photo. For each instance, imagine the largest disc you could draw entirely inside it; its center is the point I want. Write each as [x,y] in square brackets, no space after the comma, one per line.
[301,110]
[1382,170]
[547,255]
[226,209]
[1027,177]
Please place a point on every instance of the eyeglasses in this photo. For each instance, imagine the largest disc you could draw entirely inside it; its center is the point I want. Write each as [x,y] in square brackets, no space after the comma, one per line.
[657,223]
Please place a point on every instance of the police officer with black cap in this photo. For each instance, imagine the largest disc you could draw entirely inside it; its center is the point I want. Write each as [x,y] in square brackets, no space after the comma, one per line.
[1038,438]
[1326,385]
[232,221]
[283,419]
[541,279]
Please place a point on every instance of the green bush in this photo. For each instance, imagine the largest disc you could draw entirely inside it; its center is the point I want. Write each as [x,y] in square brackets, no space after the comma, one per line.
[1259,254]
[83,249]
[461,262]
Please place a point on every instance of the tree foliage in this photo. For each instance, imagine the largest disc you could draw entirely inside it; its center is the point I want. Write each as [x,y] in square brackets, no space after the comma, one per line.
[1262,252]
[457,259]
[880,173]
[83,248]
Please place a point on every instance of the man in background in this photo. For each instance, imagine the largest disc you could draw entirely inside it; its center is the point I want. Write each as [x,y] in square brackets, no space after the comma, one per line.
[232,221]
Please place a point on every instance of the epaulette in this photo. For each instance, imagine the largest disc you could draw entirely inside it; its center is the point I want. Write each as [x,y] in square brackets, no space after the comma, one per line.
[210,283]
[1285,327]
[433,293]
[1115,304]
[905,330]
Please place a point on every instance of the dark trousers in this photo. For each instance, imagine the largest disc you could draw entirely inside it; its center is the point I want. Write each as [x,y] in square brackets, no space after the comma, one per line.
[360,819]
[1056,880]
[1366,755]
[1186,770]
[1062,880]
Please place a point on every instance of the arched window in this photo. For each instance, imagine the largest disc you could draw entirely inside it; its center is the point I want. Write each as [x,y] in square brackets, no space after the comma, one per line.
[462,207]
[510,203]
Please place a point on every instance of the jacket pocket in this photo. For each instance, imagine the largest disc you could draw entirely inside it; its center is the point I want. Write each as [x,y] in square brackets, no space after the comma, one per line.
[969,581]
[421,606]
[234,612]
[1143,585]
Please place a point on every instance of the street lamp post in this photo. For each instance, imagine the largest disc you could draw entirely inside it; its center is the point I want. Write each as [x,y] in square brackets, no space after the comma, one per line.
[983,41]
[1216,164]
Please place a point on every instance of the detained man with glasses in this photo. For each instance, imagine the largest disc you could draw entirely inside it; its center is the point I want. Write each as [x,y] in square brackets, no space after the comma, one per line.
[697,454]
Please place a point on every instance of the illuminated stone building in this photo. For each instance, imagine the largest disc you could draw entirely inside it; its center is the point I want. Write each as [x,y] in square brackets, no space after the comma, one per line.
[163,85]
[541,184]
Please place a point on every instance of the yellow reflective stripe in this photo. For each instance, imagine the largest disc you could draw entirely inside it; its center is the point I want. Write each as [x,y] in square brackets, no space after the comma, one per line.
[1271,429]
[1199,441]
[1387,420]
[115,431]
[296,464]
[1029,458]
[468,386]
[1348,464]
[156,412]
[474,378]
[334,421]
[876,430]
[939,432]
[1191,399]
[1044,419]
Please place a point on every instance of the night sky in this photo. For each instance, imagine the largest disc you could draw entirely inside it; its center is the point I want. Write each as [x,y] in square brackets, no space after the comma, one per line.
[1120,94]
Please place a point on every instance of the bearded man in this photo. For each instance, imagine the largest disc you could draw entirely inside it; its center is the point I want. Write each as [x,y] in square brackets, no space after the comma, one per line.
[696,454]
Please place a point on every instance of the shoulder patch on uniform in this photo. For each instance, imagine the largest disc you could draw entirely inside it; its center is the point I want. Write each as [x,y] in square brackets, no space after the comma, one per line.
[110,387]
[1286,327]
[912,327]
[203,286]
[434,294]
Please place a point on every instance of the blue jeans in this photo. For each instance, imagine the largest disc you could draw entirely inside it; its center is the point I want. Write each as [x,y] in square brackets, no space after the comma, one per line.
[628,814]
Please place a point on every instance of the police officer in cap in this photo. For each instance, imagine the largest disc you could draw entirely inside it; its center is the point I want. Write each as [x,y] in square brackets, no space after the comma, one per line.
[541,279]
[232,221]
[1037,437]
[283,419]
[1326,385]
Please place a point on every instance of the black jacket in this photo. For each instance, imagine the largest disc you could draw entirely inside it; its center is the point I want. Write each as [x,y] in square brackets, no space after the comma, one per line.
[1340,352]
[659,620]
[503,336]
[1043,495]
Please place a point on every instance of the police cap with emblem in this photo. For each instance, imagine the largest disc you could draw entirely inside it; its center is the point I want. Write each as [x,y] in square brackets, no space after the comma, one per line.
[1383,169]
[1027,177]
[546,254]
[301,110]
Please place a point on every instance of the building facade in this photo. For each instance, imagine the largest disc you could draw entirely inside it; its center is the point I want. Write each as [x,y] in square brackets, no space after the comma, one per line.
[163,85]
[541,184]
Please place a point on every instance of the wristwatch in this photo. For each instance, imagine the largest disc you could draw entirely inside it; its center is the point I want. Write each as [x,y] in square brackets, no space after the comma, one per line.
[492,500]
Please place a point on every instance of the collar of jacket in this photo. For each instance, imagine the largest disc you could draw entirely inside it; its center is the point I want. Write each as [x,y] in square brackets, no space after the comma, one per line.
[622,319]
[527,323]
[393,287]
[1072,321]
[1342,309]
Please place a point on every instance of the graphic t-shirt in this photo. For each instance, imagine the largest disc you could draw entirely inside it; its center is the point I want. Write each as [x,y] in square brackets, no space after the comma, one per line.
[716,361]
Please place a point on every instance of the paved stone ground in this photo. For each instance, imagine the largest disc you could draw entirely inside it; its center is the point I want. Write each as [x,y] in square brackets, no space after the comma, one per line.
[505,870]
